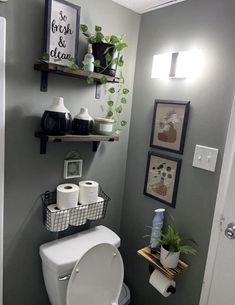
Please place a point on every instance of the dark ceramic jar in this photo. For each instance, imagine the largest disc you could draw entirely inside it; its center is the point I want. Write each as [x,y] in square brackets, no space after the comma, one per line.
[83,123]
[56,119]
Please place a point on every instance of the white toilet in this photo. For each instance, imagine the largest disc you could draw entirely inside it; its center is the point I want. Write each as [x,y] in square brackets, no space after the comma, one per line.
[85,269]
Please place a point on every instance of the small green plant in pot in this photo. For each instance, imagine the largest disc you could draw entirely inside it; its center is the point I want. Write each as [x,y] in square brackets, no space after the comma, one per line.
[106,50]
[172,245]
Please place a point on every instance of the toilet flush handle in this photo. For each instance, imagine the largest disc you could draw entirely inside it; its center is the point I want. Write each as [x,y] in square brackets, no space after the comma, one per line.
[64,278]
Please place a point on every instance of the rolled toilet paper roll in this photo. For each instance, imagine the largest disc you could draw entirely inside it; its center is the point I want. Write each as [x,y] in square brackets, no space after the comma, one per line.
[95,210]
[78,216]
[88,191]
[67,196]
[56,220]
[160,282]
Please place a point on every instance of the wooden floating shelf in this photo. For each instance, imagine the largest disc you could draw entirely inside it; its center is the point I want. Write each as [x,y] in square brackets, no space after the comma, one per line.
[95,139]
[154,260]
[45,69]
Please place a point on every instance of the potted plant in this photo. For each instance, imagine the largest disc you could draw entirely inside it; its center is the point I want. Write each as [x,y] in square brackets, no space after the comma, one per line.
[171,247]
[106,50]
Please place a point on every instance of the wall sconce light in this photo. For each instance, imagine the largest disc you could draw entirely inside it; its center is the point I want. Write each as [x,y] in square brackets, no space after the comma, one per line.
[183,64]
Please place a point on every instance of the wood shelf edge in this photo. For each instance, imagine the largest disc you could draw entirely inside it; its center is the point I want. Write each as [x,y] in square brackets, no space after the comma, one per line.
[53,68]
[154,260]
[95,139]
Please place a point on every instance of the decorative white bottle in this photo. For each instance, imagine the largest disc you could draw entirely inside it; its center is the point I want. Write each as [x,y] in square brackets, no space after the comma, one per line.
[89,60]
[83,122]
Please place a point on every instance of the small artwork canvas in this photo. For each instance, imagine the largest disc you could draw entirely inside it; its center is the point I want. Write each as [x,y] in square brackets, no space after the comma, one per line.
[169,125]
[162,176]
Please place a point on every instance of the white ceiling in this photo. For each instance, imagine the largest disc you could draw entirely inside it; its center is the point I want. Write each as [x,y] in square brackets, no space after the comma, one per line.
[143,6]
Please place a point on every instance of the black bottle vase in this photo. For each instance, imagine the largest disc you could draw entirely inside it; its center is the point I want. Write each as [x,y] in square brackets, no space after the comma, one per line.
[57,119]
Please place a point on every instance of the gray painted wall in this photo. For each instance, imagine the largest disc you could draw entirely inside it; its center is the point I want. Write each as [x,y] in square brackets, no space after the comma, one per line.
[207,25]
[28,174]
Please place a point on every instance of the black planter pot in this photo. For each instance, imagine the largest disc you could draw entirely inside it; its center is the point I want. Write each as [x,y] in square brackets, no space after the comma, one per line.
[56,123]
[99,49]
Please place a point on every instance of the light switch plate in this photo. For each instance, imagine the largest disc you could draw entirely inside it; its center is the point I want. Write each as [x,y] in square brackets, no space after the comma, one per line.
[205,158]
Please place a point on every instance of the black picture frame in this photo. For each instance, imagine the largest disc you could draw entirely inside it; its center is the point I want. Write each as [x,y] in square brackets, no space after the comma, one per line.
[159,186]
[48,27]
[167,139]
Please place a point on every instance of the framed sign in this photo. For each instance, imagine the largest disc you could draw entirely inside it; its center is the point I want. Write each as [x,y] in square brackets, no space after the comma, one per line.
[162,178]
[169,126]
[62,22]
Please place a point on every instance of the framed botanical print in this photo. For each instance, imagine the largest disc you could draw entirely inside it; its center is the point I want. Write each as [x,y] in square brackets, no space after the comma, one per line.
[162,178]
[169,125]
[62,22]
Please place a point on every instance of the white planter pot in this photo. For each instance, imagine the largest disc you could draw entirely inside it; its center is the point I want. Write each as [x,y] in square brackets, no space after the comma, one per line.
[169,259]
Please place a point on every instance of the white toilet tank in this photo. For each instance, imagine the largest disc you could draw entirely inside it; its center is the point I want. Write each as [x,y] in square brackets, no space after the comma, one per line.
[59,257]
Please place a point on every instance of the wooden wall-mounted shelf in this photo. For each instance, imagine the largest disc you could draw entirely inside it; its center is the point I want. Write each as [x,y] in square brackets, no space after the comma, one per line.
[154,260]
[45,69]
[95,139]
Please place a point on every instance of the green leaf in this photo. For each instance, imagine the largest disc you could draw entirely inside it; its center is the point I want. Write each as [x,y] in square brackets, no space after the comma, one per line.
[98,28]
[108,58]
[90,80]
[121,46]
[107,38]
[123,100]
[118,131]
[106,50]
[84,27]
[114,39]
[123,123]
[103,80]
[119,109]
[99,37]
[115,61]
[44,56]
[97,63]
[92,39]
[110,103]
[125,91]
[111,90]
[74,67]
[110,114]
[120,62]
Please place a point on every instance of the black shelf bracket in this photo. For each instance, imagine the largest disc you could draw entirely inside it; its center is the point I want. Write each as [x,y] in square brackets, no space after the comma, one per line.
[44,81]
[95,146]
[43,143]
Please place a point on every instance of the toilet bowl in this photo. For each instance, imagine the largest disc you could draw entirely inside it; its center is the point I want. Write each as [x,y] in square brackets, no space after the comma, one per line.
[85,269]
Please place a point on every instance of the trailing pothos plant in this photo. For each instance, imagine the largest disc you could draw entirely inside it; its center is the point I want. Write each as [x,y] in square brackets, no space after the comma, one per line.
[117,99]
[116,93]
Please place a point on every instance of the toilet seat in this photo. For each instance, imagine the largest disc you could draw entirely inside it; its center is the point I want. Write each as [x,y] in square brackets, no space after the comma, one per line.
[97,277]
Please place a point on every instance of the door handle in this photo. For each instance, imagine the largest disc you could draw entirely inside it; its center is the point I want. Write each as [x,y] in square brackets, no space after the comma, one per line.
[230,231]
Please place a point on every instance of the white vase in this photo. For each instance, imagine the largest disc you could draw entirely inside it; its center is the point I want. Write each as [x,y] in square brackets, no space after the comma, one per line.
[169,259]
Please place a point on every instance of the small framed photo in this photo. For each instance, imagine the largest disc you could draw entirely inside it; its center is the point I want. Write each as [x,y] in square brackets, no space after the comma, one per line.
[169,126]
[62,22]
[72,169]
[162,178]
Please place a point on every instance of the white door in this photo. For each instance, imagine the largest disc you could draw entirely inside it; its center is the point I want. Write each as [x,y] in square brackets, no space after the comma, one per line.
[219,279]
[2,138]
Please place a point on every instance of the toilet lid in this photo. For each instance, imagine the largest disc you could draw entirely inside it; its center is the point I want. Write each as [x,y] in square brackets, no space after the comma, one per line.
[97,277]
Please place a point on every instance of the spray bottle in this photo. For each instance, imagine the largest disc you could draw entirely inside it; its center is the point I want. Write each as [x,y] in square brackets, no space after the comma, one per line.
[158,221]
